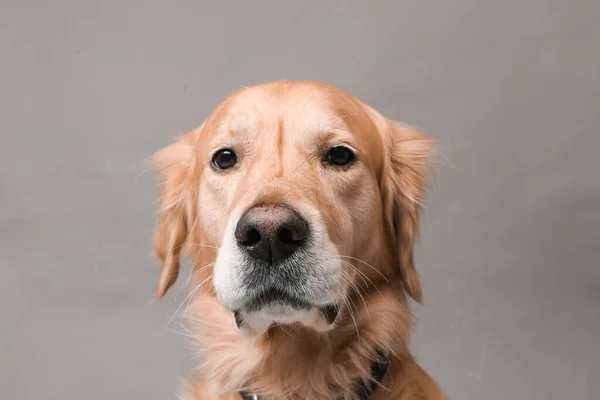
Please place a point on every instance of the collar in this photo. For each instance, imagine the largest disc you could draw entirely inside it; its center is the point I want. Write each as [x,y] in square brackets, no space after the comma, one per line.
[362,389]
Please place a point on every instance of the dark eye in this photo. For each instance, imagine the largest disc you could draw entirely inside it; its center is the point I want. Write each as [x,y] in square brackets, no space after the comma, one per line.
[339,155]
[224,159]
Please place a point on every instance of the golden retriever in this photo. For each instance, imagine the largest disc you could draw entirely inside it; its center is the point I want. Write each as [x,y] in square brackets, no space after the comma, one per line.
[299,205]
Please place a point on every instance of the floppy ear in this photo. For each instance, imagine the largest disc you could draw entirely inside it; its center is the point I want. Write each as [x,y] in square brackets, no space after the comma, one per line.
[403,189]
[175,165]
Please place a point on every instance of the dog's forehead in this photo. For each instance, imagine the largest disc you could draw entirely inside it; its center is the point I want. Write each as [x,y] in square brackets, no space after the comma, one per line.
[301,109]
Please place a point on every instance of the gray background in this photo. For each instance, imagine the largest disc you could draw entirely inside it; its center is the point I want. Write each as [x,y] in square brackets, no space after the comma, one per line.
[510,89]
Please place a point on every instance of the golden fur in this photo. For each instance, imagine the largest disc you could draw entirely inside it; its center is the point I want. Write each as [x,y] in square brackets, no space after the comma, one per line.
[371,214]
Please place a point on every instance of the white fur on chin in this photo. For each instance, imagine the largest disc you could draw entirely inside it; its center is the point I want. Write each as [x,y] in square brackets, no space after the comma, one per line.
[255,324]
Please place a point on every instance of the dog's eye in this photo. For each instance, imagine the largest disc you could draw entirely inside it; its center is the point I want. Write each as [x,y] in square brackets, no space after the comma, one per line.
[339,155]
[224,159]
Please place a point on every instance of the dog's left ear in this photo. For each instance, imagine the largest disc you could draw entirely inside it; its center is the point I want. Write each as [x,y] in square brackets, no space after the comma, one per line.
[175,165]
[403,186]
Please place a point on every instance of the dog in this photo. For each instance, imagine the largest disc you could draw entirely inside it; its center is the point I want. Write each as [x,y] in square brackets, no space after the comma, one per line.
[299,206]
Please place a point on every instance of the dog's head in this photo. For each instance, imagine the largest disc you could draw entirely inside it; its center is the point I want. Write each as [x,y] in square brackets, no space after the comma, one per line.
[304,195]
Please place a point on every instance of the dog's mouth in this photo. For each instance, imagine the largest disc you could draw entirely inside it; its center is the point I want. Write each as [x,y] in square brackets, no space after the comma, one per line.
[275,296]
[275,299]
[330,312]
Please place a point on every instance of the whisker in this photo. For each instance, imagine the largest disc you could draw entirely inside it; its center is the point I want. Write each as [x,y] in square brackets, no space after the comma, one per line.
[360,272]
[204,245]
[192,276]
[367,264]
[364,277]
[360,275]
[352,316]
[347,306]
[357,291]
[190,296]
[288,333]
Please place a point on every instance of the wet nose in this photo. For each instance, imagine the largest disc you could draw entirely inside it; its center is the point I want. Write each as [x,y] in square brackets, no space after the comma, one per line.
[271,232]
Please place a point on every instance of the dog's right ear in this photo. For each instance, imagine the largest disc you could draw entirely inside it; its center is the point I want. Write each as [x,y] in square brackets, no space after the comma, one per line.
[402,186]
[175,165]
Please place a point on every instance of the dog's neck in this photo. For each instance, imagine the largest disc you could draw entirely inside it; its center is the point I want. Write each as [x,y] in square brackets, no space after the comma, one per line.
[294,360]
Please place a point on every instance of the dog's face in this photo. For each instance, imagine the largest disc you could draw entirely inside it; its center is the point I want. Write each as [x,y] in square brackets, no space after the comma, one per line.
[304,191]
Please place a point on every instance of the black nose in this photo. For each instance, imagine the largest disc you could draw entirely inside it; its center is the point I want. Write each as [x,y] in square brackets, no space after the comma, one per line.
[271,232]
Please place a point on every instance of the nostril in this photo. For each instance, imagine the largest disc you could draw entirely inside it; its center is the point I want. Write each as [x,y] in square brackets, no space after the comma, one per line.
[285,235]
[290,236]
[251,237]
